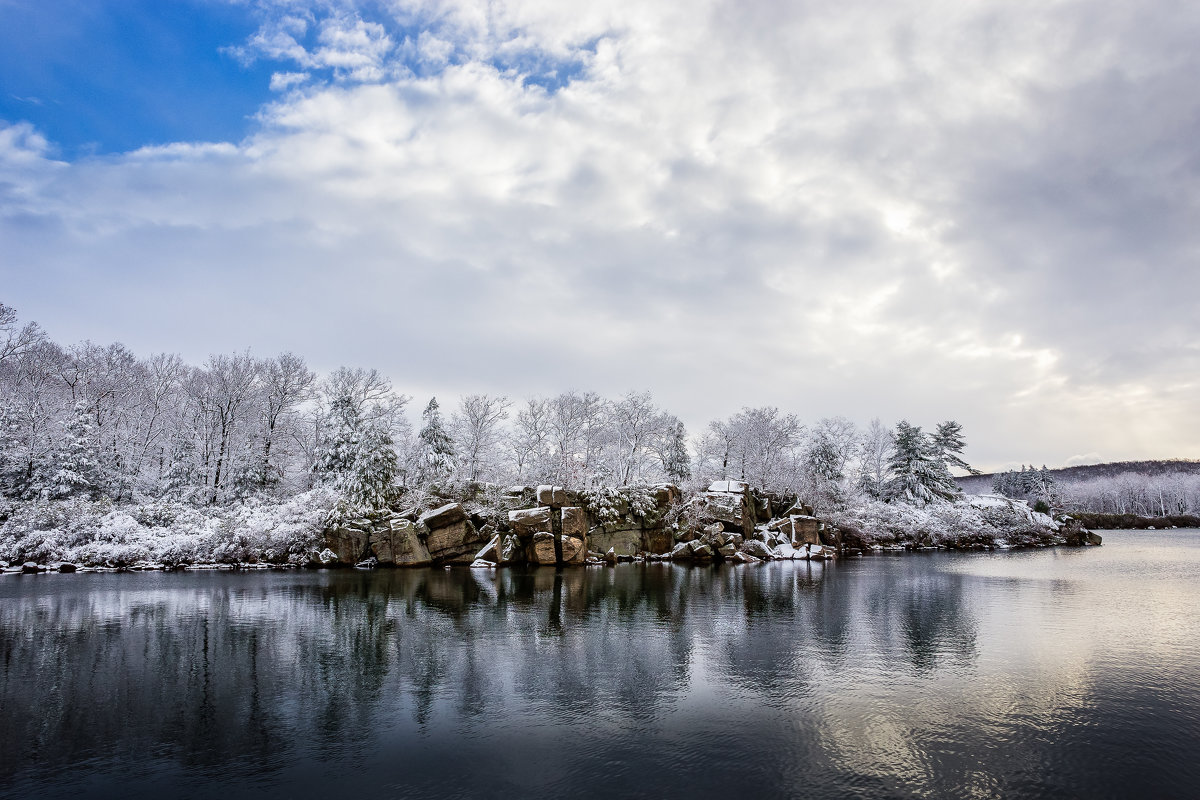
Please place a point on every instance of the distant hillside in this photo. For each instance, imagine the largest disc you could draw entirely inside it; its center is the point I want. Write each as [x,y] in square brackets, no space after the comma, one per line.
[981,484]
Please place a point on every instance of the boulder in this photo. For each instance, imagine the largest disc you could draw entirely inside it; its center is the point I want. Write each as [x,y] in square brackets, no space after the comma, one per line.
[805,530]
[785,550]
[552,495]
[624,540]
[529,521]
[541,549]
[753,547]
[456,542]
[348,544]
[611,556]
[574,551]
[66,567]
[399,545]
[737,487]
[30,568]
[444,516]
[700,550]
[574,522]
[730,509]
[799,510]
[490,551]
[728,550]
[510,550]
[665,494]
[682,552]
[817,552]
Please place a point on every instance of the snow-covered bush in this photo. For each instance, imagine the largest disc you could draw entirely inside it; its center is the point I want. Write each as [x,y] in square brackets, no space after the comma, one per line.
[971,521]
[94,532]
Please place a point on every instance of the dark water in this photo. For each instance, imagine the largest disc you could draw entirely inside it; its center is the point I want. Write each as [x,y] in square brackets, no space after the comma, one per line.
[1053,673]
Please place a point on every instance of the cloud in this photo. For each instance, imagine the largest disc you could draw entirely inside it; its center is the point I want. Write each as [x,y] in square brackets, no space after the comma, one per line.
[979,211]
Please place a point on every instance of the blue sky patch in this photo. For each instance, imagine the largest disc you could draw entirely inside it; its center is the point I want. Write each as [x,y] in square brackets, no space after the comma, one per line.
[108,76]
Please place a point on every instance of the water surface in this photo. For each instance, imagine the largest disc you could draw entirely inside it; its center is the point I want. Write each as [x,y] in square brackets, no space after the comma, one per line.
[1046,673]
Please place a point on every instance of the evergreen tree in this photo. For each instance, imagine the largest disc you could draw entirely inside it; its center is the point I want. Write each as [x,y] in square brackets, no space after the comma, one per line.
[677,462]
[77,462]
[180,478]
[948,442]
[338,449]
[919,475]
[358,458]
[436,461]
[822,468]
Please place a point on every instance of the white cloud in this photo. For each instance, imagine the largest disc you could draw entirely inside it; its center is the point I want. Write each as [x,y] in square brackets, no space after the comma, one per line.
[979,211]
[282,81]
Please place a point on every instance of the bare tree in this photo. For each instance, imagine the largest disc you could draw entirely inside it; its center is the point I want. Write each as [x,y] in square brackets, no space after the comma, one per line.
[477,433]
[528,440]
[226,389]
[15,339]
[286,383]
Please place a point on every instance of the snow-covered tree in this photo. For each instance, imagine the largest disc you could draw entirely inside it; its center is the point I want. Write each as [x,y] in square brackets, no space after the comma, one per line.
[918,475]
[78,467]
[874,455]
[948,443]
[436,449]
[286,382]
[357,457]
[823,475]
[760,445]
[477,433]
[635,421]
[527,442]
[672,449]
[16,340]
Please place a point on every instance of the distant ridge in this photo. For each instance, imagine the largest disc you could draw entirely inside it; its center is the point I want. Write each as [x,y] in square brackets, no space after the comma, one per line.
[981,484]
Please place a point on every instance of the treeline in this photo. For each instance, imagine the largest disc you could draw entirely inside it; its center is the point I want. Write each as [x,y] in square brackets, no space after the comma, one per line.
[1156,493]
[98,421]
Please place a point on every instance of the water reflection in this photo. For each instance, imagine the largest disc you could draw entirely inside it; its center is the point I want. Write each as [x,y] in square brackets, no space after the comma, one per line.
[901,676]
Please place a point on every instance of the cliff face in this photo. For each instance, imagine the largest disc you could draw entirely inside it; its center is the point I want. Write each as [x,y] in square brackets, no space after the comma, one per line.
[549,525]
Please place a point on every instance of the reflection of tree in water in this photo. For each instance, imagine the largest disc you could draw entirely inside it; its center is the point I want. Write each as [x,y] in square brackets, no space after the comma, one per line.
[921,614]
[226,669]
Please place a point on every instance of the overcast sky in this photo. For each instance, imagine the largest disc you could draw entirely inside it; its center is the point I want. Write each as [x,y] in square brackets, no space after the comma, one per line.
[985,211]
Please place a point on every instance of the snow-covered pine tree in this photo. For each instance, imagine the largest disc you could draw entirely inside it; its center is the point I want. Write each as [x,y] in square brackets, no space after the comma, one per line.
[822,470]
[677,462]
[436,462]
[358,458]
[371,484]
[948,442]
[77,463]
[338,448]
[918,474]
[179,480]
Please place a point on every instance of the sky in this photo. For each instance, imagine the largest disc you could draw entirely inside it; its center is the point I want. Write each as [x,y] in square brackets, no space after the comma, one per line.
[985,211]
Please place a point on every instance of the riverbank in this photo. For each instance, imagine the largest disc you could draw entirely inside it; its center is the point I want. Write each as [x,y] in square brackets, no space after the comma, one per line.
[1129,522]
[492,527]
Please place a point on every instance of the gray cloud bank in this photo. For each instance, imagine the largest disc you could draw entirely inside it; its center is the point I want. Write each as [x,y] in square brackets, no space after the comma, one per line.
[975,210]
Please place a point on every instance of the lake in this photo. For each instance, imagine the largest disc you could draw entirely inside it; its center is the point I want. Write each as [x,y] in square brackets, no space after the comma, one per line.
[1044,673]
